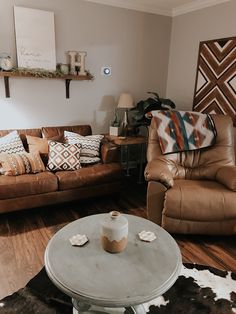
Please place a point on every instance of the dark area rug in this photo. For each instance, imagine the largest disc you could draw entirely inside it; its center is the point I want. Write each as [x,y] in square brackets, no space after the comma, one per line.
[198,290]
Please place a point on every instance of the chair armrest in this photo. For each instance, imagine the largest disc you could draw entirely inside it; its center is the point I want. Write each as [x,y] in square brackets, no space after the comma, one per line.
[109,152]
[227,176]
[157,170]
[155,201]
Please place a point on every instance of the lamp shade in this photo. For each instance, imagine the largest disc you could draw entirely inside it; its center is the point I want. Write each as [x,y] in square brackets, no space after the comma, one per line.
[125,101]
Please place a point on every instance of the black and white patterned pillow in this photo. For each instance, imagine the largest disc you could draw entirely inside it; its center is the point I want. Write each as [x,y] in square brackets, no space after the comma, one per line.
[90,145]
[85,160]
[11,143]
[63,156]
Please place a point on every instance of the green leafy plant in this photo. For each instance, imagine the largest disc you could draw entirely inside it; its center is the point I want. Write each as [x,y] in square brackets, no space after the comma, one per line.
[116,121]
[140,116]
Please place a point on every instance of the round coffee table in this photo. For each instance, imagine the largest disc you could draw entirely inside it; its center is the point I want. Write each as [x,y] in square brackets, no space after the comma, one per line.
[94,277]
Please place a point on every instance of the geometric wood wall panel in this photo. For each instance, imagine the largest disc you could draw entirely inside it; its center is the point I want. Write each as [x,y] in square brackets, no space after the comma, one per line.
[215,86]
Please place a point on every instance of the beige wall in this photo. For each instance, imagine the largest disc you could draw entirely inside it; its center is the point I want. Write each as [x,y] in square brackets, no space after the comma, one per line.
[134,44]
[187,31]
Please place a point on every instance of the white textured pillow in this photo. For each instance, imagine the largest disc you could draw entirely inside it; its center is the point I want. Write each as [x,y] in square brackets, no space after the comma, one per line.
[84,160]
[90,144]
[11,143]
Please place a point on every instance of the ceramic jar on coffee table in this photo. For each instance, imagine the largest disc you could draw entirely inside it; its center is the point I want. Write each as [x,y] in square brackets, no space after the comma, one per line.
[102,282]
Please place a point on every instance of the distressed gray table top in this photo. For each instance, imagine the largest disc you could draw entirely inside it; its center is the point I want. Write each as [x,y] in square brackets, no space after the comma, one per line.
[139,274]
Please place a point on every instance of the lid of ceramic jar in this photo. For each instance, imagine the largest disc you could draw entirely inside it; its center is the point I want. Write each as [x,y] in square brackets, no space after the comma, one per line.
[115,220]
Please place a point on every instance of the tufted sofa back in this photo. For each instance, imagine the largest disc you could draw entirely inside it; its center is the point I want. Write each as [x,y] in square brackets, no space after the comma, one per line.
[23,133]
[198,164]
[57,130]
[49,132]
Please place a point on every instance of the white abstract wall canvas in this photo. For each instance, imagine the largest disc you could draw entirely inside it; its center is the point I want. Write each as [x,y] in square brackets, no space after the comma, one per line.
[35,38]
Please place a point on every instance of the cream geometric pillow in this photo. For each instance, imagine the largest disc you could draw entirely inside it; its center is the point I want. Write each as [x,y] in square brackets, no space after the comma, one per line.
[11,143]
[63,156]
[90,145]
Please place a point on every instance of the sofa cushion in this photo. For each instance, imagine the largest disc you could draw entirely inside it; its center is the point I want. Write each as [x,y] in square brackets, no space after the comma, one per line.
[210,201]
[27,184]
[63,156]
[21,163]
[11,143]
[92,175]
[90,145]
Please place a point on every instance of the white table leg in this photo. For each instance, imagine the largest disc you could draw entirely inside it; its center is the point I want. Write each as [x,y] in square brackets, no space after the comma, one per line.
[75,311]
[83,308]
[79,307]
[138,309]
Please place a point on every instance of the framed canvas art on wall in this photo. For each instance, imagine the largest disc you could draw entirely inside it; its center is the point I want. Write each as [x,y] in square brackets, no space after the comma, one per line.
[35,38]
[215,86]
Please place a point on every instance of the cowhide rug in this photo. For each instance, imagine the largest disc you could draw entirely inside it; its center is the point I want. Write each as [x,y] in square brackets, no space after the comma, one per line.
[198,290]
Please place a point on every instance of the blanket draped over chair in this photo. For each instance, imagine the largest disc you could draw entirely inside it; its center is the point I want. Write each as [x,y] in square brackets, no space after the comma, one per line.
[183,130]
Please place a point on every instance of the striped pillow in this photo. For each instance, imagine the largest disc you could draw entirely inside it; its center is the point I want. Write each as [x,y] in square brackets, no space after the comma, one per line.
[90,145]
[20,163]
[11,143]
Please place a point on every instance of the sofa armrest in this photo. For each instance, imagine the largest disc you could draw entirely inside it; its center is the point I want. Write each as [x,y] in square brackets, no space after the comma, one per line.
[157,170]
[227,176]
[109,152]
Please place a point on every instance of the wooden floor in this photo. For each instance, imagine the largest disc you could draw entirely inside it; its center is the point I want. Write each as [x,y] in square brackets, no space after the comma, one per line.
[25,234]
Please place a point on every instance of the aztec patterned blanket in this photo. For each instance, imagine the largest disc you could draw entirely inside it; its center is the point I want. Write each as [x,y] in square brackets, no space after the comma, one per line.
[180,131]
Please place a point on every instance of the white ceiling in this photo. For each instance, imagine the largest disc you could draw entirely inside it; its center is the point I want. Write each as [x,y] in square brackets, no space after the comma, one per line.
[163,7]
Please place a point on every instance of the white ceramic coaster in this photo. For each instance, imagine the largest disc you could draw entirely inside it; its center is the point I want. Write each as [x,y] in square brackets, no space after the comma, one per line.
[78,239]
[147,236]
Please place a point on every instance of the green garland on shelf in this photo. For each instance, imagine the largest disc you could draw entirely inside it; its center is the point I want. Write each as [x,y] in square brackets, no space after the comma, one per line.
[43,73]
[37,72]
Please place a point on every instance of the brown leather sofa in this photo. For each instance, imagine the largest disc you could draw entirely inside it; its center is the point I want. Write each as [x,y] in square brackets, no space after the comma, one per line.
[194,192]
[34,190]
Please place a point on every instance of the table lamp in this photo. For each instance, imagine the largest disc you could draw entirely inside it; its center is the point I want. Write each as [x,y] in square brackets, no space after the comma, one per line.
[126,102]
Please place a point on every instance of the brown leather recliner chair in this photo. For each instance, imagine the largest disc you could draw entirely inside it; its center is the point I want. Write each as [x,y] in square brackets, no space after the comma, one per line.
[194,192]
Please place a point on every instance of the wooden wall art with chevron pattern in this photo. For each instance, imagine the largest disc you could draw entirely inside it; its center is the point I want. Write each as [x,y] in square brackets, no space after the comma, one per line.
[215,87]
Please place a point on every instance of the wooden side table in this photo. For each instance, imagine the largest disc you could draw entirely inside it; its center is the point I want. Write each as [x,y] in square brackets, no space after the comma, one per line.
[127,142]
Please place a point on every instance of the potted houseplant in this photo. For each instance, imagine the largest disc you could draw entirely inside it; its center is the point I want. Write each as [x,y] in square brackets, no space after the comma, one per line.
[140,113]
[115,125]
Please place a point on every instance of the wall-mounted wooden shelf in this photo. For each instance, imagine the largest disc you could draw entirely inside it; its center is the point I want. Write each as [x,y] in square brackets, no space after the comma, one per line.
[68,78]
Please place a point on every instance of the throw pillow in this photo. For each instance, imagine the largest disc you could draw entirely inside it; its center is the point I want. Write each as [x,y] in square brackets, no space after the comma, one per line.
[20,163]
[40,145]
[90,145]
[37,144]
[84,160]
[63,156]
[11,143]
